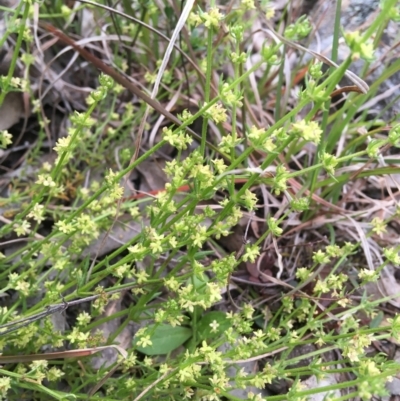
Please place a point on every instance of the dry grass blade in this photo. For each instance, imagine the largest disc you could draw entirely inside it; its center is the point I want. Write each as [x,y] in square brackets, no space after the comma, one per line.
[171,44]
[96,388]
[78,353]
[146,390]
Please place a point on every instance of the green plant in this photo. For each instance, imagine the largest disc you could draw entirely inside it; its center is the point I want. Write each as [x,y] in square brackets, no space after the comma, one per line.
[175,270]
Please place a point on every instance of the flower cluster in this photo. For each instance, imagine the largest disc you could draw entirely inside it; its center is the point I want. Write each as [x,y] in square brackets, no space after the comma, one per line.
[177,138]
[309,131]
[359,46]
[299,30]
[261,139]
[354,348]
[5,139]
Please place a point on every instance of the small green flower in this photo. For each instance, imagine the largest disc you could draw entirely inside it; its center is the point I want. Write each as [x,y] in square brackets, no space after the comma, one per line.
[212,18]
[214,326]
[39,365]
[13,277]
[37,213]
[237,31]
[300,204]
[336,281]
[98,94]
[82,120]
[64,227]
[249,199]
[378,225]
[54,374]
[129,362]
[392,255]
[230,97]
[5,139]
[367,275]
[369,368]
[315,93]
[185,375]
[194,19]
[302,273]
[315,70]
[156,247]
[329,162]
[374,147]
[348,247]
[248,311]
[359,46]
[280,179]
[77,336]
[248,5]
[274,227]
[5,385]
[86,225]
[83,319]
[106,81]
[252,252]
[134,212]
[116,192]
[61,263]
[320,257]
[238,59]
[185,116]
[217,113]
[150,77]
[121,271]
[46,180]
[27,59]
[141,276]
[334,251]
[309,131]
[228,142]
[22,228]
[172,283]
[394,135]
[321,287]
[299,30]
[255,133]
[200,236]
[220,165]
[16,82]
[177,138]
[144,341]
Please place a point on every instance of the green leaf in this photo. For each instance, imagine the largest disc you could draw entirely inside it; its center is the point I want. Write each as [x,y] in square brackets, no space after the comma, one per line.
[377,320]
[165,339]
[204,328]
[199,282]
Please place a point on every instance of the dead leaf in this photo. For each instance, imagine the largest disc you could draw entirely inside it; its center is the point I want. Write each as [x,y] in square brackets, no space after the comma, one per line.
[11,110]
[109,356]
[120,234]
[153,176]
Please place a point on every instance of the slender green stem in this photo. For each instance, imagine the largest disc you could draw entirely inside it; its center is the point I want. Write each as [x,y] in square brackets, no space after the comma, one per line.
[207,88]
